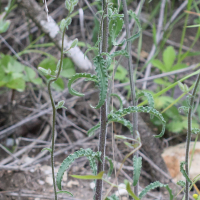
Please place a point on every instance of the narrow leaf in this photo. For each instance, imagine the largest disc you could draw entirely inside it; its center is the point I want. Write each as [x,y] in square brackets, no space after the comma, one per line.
[65,192]
[137,165]
[130,192]
[89,177]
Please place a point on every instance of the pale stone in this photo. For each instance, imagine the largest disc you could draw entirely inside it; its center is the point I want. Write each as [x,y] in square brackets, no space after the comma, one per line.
[173,156]
[72,183]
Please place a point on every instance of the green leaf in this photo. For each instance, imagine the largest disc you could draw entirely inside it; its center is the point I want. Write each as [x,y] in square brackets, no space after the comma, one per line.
[115,27]
[118,97]
[179,66]
[70,159]
[175,126]
[17,84]
[169,56]
[148,95]
[113,197]
[159,65]
[184,172]
[60,104]
[30,73]
[89,177]
[119,53]
[46,149]
[146,109]
[65,192]
[58,85]
[153,186]
[130,192]
[195,130]
[48,64]
[45,72]
[137,165]
[93,129]
[65,23]
[75,77]
[181,183]
[160,81]
[68,69]
[102,77]
[74,43]
[111,166]
[4,25]
[135,17]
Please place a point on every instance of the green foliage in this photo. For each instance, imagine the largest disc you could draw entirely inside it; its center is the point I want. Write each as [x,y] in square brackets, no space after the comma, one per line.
[169,56]
[102,77]
[148,95]
[195,130]
[113,197]
[70,159]
[4,25]
[130,192]
[181,183]
[89,177]
[111,166]
[146,109]
[60,105]
[65,23]
[70,4]
[65,192]
[153,186]
[137,165]
[14,75]
[184,172]
[93,129]
[50,64]
[120,100]
[77,76]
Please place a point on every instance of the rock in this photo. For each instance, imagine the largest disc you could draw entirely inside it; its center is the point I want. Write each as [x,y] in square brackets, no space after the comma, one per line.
[176,154]
[121,190]
[72,183]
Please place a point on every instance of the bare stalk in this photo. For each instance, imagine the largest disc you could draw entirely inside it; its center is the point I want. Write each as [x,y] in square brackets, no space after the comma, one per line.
[188,139]
[54,115]
[103,113]
[132,81]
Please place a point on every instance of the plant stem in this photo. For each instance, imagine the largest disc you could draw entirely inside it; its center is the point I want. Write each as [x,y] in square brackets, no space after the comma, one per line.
[132,81]
[54,116]
[188,139]
[103,113]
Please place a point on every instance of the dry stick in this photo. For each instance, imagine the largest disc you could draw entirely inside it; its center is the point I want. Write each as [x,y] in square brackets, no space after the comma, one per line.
[159,29]
[132,80]
[188,139]
[160,38]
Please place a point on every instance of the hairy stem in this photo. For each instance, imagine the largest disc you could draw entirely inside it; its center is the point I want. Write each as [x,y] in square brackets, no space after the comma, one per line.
[132,81]
[188,139]
[103,113]
[54,116]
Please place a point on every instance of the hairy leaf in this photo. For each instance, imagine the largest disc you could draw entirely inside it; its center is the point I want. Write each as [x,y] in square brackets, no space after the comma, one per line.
[137,165]
[119,53]
[120,100]
[113,197]
[183,108]
[70,159]
[135,17]
[181,183]
[65,192]
[195,130]
[143,109]
[111,166]
[184,172]
[148,96]
[153,186]
[93,129]
[75,77]
[102,76]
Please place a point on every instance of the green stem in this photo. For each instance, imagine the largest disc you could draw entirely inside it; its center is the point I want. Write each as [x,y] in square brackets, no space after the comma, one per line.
[103,113]
[54,115]
[188,139]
